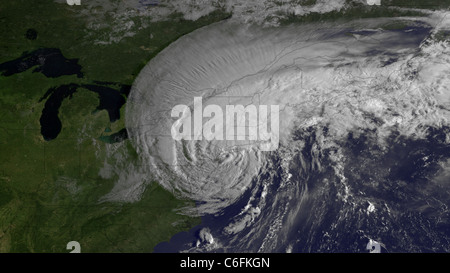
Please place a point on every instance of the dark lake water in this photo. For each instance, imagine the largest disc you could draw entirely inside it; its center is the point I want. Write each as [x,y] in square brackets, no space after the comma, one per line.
[48,61]
[52,63]
[110,99]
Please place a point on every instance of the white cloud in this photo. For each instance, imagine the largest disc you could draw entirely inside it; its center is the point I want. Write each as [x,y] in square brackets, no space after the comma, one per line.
[313,73]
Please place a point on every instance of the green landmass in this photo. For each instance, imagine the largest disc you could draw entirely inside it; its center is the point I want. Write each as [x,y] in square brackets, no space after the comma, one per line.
[50,190]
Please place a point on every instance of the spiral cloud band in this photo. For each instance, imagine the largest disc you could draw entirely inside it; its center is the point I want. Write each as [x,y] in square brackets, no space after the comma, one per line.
[340,76]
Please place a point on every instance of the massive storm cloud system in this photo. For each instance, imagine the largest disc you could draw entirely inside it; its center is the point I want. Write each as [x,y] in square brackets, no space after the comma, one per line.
[363,135]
